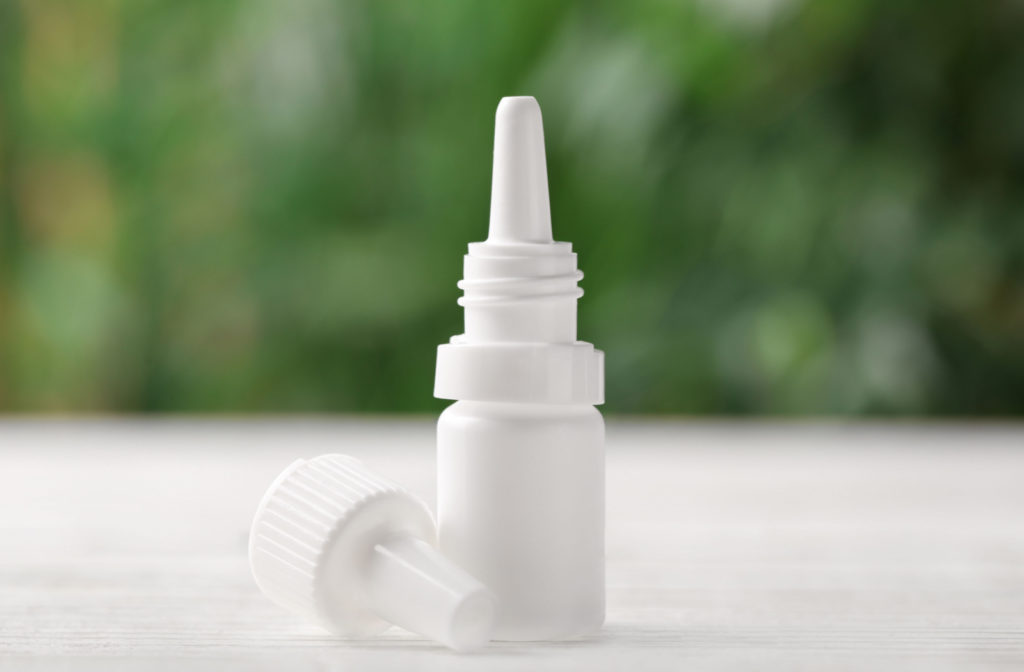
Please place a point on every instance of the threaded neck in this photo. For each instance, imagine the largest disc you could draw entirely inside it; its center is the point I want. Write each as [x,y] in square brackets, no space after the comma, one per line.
[523,292]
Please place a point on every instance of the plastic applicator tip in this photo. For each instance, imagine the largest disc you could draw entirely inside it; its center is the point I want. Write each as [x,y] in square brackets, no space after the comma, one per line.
[520,210]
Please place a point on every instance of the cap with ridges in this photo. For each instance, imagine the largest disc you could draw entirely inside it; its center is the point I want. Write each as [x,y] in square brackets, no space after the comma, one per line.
[354,552]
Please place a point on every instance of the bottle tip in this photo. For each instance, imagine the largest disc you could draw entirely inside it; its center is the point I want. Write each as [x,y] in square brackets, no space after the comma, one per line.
[520,210]
[517,107]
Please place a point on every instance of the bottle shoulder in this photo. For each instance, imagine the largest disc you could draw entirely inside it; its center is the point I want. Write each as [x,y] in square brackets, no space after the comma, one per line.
[487,428]
[483,411]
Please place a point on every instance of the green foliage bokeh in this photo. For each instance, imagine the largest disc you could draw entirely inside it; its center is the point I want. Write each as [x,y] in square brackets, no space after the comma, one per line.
[782,207]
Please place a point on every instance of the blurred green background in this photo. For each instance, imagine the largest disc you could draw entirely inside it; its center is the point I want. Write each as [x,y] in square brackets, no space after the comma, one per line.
[782,207]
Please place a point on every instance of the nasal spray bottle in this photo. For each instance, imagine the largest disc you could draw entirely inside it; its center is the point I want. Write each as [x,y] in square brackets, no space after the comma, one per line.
[521,452]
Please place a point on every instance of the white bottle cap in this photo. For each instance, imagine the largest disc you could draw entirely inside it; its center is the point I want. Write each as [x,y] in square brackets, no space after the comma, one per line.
[354,552]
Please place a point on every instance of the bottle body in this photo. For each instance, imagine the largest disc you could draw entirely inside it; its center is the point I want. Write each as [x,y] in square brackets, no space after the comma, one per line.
[521,508]
[521,452]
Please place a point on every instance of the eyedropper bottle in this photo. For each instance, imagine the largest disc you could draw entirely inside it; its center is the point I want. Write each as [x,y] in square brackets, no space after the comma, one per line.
[521,452]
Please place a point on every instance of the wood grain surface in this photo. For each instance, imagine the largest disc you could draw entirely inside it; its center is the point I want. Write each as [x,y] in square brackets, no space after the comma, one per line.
[730,546]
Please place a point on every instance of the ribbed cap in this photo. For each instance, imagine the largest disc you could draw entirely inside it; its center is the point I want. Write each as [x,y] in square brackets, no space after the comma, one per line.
[307,530]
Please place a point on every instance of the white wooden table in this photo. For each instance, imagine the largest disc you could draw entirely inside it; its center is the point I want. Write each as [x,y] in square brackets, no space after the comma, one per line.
[730,546]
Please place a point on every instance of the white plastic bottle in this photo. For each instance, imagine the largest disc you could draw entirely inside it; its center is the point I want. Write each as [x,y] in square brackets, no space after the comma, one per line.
[521,452]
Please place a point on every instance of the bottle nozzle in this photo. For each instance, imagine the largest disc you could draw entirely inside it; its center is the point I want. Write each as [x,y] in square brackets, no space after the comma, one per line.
[520,210]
